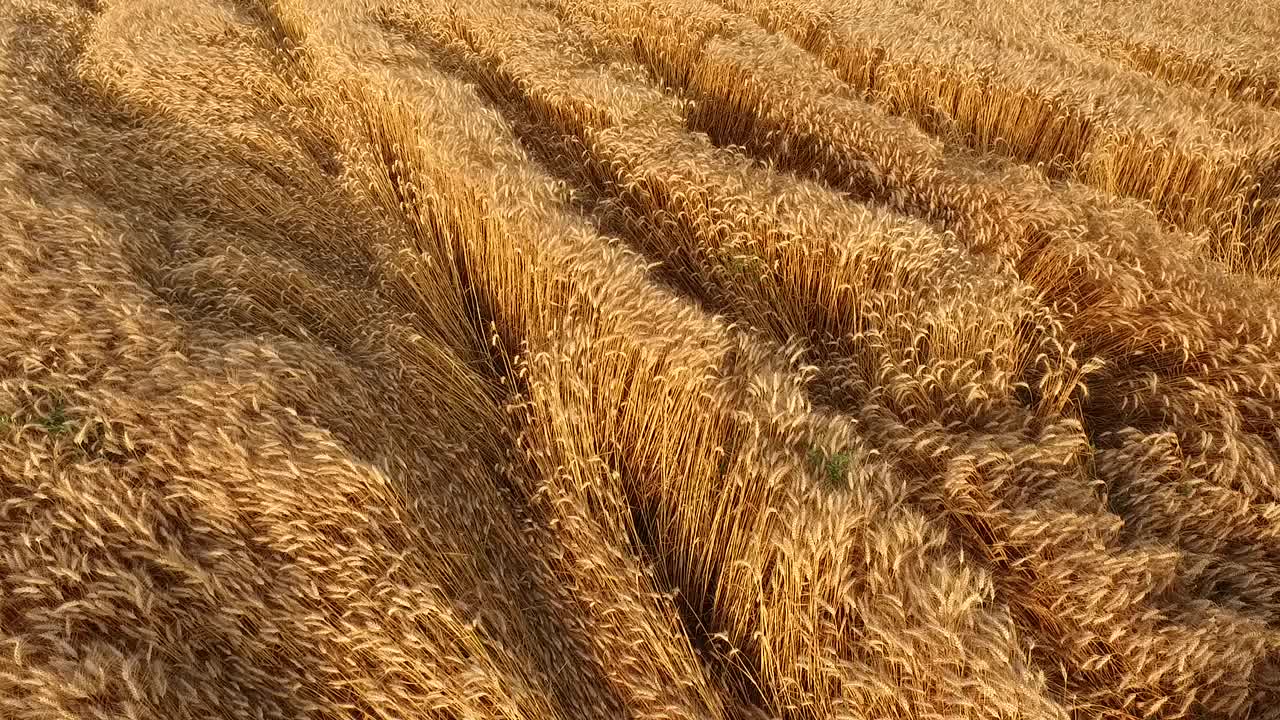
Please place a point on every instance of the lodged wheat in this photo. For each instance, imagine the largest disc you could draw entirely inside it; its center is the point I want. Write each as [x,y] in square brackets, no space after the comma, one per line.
[654,359]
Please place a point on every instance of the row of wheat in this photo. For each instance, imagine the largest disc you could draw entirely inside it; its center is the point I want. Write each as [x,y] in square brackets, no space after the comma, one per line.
[558,359]
[1224,50]
[544,65]
[1002,83]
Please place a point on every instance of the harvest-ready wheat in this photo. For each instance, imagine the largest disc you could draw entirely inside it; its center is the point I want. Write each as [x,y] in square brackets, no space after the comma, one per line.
[555,359]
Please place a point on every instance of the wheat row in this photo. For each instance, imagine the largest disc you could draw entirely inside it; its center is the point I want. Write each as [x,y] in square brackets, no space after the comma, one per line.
[556,360]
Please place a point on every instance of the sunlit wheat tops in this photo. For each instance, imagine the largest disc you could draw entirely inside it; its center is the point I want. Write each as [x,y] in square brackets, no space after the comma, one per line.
[665,359]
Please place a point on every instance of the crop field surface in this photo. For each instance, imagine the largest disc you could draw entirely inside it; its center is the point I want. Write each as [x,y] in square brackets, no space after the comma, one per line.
[652,359]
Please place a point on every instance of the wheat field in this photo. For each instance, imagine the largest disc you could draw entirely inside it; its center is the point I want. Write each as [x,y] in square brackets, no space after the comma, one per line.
[652,359]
